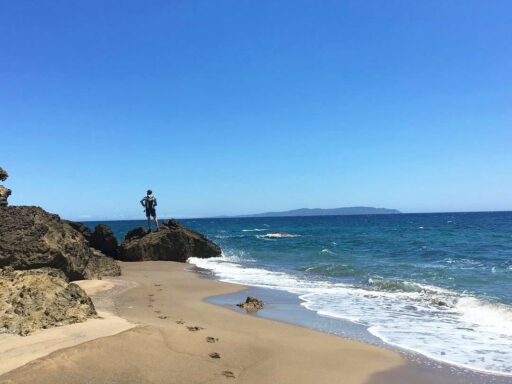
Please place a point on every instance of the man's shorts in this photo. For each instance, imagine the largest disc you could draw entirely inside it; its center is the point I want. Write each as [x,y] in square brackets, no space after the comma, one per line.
[150,212]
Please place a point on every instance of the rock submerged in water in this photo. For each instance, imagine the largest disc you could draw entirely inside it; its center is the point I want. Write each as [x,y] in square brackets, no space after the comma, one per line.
[172,242]
[40,298]
[32,238]
[251,304]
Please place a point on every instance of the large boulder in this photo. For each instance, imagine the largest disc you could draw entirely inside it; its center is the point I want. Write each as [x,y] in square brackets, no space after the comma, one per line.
[32,238]
[36,299]
[172,242]
[104,240]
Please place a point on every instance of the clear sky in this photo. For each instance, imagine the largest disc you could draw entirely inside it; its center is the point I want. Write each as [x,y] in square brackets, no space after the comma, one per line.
[235,107]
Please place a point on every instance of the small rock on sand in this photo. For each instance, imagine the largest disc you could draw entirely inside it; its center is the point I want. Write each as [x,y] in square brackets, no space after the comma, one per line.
[251,304]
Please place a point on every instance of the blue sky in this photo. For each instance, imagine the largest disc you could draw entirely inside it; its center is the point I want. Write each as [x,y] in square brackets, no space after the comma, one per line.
[234,107]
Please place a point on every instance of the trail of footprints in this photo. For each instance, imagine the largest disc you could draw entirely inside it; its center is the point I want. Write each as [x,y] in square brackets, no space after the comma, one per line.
[194,328]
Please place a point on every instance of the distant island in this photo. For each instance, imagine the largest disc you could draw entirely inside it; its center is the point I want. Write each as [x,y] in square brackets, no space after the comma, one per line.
[327,212]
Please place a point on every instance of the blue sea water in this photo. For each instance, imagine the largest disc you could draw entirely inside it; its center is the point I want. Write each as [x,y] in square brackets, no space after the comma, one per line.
[437,284]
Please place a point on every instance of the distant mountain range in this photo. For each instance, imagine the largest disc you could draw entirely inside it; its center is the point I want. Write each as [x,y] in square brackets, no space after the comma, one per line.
[327,212]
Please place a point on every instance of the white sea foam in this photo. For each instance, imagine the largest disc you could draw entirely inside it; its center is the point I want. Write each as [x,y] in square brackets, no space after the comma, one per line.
[254,230]
[435,322]
[277,235]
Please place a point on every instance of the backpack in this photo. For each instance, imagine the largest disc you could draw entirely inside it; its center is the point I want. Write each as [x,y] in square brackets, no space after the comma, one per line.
[150,202]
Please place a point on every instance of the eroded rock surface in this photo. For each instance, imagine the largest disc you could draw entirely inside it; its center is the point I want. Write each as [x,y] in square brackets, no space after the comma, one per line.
[32,238]
[4,195]
[172,242]
[251,304]
[3,174]
[40,298]
[136,233]
[80,227]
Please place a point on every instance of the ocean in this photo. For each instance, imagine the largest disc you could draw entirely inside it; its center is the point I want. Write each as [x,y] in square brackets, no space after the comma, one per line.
[436,284]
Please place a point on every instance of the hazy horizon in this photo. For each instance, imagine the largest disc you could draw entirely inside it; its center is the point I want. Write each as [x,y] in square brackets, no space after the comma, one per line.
[247,216]
[234,108]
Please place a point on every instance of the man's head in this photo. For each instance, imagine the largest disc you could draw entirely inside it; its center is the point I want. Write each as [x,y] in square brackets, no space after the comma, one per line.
[149,192]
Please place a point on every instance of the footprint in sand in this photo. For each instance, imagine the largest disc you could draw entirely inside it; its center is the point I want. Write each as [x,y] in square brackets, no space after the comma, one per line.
[194,329]
[157,311]
[158,285]
[163,317]
[214,355]
[228,374]
[151,295]
[210,339]
[180,322]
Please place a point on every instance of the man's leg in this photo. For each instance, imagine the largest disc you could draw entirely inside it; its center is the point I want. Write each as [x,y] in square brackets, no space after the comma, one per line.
[156,222]
[149,223]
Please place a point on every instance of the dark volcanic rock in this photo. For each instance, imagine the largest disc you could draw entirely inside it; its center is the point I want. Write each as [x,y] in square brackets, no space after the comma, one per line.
[32,238]
[251,304]
[80,227]
[136,233]
[104,240]
[172,242]
[34,299]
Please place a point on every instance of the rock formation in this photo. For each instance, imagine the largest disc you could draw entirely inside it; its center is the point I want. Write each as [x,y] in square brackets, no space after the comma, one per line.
[136,233]
[80,227]
[172,242]
[41,298]
[4,192]
[32,238]
[3,174]
[104,240]
[251,304]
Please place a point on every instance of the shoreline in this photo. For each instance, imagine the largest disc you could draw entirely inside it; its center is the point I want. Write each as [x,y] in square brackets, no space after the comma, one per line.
[177,328]
[169,343]
[286,307]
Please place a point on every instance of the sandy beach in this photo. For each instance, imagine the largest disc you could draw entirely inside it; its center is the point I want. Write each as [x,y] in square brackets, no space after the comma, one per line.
[162,331]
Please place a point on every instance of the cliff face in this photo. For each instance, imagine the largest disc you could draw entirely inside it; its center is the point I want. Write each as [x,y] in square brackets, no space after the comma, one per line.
[172,242]
[32,238]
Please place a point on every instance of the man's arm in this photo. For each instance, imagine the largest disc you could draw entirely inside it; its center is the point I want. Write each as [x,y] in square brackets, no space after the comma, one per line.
[143,202]
[155,202]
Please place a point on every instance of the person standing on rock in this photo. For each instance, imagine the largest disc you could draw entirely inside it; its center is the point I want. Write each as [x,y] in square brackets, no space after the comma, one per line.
[149,204]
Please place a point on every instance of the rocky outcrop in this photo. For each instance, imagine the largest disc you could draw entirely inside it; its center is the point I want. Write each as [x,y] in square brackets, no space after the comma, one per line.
[80,227]
[172,242]
[3,174]
[4,195]
[41,298]
[136,233]
[32,238]
[251,304]
[4,192]
[104,240]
